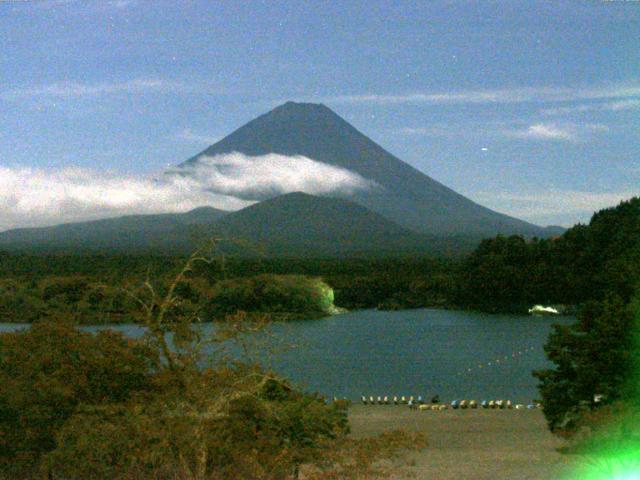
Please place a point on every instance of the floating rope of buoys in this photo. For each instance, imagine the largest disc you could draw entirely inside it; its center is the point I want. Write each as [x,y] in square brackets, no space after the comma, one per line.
[502,360]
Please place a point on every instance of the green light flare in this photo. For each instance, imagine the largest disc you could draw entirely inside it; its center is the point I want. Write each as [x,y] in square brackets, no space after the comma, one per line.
[617,457]
[635,378]
[327,297]
[623,465]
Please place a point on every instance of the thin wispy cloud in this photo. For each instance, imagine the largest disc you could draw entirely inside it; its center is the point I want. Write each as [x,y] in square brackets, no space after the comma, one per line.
[551,131]
[97,6]
[621,105]
[545,206]
[71,89]
[121,3]
[512,95]
[437,130]
[540,131]
[457,130]
[558,132]
[188,135]
[32,197]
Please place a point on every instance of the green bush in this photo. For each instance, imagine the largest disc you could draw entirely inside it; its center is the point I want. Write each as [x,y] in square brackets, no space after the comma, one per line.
[49,369]
[188,433]
[72,288]
[290,296]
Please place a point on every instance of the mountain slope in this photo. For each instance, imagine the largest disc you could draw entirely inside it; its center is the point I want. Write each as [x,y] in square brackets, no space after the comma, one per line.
[291,225]
[162,232]
[297,224]
[407,196]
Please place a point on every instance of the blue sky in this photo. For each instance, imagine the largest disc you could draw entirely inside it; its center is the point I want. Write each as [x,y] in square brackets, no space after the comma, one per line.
[531,108]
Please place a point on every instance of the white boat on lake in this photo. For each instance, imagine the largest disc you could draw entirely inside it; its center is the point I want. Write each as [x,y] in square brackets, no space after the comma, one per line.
[542,310]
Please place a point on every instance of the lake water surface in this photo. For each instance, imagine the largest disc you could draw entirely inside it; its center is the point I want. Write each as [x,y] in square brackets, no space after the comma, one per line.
[455,354]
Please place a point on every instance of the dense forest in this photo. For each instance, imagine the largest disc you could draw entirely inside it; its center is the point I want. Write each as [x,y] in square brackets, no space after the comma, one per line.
[96,289]
[586,263]
[503,274]
[592,392]
[594,269]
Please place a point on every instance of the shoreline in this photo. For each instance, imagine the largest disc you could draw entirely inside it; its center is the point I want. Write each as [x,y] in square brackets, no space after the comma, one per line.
[342,312]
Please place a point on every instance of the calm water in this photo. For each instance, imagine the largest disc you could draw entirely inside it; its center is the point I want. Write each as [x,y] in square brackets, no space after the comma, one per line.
[455,354]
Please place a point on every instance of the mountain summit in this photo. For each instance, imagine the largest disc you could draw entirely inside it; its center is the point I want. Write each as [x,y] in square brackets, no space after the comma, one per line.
[405,195]
[399,210]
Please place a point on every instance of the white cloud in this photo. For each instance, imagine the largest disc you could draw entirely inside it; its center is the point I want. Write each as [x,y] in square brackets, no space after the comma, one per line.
[512,95]
[121,3]
[38,197]
[77,8]
[570,132]
[272,174]
[436,130]
[621,96]
[552,206]
[541,131]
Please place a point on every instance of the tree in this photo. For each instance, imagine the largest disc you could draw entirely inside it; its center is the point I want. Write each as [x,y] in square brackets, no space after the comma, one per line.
[281,296]
[48,370]
[104,407]
[592,357]
[588,262]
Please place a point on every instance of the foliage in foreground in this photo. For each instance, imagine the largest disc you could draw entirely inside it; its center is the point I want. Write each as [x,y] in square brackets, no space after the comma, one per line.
[50,370]
[594,356]
[607,442]
[592,394]
[75,405]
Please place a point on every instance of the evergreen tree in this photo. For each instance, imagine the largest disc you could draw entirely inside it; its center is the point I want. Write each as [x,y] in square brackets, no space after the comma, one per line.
[594,363]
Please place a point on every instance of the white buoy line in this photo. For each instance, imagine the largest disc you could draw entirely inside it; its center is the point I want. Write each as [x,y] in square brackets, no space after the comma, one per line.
[503,360]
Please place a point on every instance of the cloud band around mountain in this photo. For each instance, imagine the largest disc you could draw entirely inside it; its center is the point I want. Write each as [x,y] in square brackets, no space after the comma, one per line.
[31,197]
[257,177]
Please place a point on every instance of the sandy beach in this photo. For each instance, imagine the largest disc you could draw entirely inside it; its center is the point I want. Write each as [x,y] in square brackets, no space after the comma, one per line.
[471,444]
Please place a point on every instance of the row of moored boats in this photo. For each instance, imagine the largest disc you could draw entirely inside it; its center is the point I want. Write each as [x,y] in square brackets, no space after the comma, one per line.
[420,404]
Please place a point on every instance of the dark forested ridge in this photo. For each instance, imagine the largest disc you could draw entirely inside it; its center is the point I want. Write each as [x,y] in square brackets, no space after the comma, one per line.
[596,375]
[291,225]
[91,288]
[300,225]
[168,233]
[585,263]
[596,269]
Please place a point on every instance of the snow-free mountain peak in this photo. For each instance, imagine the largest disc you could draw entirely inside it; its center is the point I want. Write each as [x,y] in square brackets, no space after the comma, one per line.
[403,194]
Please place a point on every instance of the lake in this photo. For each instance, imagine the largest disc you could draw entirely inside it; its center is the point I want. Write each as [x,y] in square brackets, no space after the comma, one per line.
[455,354]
